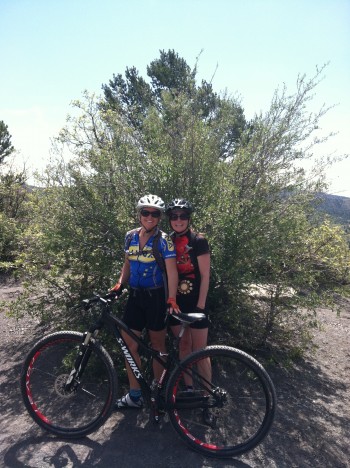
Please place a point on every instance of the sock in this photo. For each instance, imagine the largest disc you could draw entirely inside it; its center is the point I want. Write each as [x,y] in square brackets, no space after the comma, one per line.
[135,394]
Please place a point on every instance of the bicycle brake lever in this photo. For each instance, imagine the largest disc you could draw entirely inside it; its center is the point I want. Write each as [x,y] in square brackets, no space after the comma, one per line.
[111,295]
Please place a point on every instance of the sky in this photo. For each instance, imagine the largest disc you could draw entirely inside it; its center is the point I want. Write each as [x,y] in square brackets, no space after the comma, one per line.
[51,51]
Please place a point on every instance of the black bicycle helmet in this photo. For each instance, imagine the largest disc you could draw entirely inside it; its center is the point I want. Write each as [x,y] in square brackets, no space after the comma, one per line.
[179,204]
[151,201]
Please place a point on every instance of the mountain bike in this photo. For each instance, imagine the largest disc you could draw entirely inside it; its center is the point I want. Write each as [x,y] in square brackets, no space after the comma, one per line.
[69,386]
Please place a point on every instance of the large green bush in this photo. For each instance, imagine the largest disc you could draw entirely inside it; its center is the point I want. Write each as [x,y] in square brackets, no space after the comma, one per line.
[253,202]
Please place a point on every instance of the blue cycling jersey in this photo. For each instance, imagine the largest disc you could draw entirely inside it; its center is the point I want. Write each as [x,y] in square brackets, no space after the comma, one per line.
[144,270]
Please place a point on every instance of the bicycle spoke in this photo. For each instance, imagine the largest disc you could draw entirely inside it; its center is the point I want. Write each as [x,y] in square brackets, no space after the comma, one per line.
[239,405]
[81,408]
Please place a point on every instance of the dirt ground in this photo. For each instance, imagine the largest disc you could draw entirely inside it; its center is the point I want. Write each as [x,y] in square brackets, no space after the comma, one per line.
[312,426]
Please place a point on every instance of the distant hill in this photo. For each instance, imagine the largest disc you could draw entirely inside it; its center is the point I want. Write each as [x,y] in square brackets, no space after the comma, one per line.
[335,206]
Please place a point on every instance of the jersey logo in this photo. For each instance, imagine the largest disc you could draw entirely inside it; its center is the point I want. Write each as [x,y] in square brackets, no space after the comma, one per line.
[170,244]
[185,287]
[143,256]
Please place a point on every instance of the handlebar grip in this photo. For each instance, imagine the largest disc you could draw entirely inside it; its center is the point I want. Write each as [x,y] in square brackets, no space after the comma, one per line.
[111,295]
[87,303]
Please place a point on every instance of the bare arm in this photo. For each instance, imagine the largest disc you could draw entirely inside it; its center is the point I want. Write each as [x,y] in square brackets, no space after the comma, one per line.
[204,270]
[173,277]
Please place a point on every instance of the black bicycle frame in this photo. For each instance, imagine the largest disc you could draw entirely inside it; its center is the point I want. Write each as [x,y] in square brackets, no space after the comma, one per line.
[111,321]
[115,324]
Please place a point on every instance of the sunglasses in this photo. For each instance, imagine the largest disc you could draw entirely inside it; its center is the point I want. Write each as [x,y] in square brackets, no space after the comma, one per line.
[154,214]
[182,216]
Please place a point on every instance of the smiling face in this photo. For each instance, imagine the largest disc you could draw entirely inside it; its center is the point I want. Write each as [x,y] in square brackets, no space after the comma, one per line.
[149,217]
[179,220]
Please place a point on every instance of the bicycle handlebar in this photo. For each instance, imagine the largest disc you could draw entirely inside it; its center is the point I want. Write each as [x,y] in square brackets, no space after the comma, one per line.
[181,317]
[87,303]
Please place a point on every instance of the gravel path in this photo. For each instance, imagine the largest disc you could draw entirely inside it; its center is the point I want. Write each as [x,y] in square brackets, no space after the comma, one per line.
[312,426]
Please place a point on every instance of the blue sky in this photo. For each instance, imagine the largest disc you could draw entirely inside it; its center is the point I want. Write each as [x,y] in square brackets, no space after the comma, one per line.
[51,51]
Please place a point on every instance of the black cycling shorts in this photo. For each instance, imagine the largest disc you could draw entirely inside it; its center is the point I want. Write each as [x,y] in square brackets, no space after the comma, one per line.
[146,308]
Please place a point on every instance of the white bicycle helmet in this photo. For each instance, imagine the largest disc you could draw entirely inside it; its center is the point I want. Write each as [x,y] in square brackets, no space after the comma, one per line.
[151,201]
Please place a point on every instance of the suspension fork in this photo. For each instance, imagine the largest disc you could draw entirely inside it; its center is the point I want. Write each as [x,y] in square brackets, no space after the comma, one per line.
[80,363]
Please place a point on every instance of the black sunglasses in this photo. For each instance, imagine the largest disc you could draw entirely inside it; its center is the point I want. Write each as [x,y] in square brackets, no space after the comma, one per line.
[183,216]
[154,214]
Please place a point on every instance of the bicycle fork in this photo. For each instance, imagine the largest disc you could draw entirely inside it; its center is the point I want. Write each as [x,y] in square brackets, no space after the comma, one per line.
[80,363]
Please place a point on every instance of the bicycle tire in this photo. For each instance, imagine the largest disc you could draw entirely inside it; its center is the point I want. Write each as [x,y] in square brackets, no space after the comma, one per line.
[44,373]
[237,418]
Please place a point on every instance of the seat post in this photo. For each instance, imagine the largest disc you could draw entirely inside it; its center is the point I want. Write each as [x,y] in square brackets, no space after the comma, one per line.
[182,330]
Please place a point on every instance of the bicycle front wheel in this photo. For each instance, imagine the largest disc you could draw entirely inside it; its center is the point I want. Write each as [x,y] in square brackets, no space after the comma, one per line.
[232,406]
[70,413]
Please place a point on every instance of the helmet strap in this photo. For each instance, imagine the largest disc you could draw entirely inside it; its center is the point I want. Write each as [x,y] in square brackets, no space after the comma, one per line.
[179,234]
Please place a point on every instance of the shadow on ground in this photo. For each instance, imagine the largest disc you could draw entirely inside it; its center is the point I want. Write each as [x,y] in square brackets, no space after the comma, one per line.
[312,426]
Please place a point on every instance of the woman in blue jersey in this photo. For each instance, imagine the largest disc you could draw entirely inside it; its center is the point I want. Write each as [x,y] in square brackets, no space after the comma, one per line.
[150,291]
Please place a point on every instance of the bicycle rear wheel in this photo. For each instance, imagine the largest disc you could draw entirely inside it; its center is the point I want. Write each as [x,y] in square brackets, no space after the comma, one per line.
[233,404]
[83,409]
